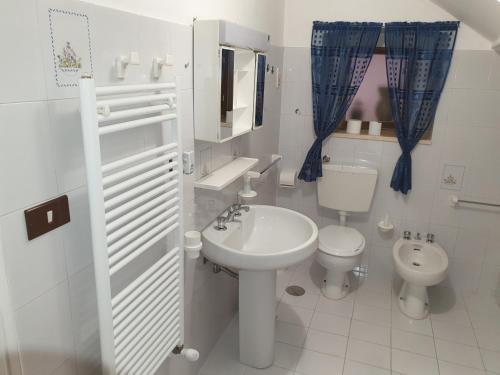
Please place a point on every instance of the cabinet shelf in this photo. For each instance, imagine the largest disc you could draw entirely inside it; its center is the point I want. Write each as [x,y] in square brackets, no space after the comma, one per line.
[228,80]
[225,175]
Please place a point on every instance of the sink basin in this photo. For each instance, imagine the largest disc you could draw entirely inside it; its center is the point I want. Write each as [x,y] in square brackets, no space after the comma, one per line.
[264,238]
[258,243]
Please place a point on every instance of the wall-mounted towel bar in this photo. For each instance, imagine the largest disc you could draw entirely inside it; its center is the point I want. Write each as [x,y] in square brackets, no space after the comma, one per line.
[135,208]
[454,201]
[274,160]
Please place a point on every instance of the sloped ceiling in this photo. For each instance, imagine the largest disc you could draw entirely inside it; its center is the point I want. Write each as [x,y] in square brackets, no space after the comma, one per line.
[481,15]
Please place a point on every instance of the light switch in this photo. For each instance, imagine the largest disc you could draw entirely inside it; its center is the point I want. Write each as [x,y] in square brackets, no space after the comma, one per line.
[50,216]
[46,216]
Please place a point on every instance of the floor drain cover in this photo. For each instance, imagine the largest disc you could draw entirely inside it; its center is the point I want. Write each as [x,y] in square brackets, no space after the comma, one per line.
[295,290]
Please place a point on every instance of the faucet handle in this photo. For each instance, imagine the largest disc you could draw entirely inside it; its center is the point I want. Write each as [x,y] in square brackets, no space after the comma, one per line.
[235,208]
[407,235]
[430,237]
[221,223]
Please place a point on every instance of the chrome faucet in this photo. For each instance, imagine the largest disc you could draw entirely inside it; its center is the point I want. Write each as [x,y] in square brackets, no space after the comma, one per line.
[232,211]
[418,237]
[235,211]
[238,207]
[221,223]
[406,235]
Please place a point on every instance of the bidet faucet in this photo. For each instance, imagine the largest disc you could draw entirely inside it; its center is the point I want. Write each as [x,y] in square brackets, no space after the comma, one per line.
[430,237]
[418,237]
[406,235]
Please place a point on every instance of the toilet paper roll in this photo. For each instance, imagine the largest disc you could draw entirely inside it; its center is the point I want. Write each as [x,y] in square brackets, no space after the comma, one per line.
[353,126]
[375,128]
[288,178]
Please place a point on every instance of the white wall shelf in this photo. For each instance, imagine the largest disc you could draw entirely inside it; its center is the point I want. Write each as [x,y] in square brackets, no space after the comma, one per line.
[228,173]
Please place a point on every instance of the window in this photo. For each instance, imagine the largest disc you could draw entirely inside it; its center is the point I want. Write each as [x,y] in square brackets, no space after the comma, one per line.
[372,103]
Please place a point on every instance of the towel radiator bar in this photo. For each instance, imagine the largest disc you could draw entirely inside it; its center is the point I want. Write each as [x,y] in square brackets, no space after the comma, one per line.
[135,208]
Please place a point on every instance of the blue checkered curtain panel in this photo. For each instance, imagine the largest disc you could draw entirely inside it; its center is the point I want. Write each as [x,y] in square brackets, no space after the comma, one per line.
[418,58]
[340,55]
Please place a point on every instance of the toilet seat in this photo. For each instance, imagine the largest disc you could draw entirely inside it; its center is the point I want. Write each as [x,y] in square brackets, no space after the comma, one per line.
[341,241]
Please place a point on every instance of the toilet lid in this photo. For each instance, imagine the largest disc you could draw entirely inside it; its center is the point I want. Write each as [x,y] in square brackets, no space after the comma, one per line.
[341,241]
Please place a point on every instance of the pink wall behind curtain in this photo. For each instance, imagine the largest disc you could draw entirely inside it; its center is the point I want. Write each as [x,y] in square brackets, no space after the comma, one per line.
[371,101]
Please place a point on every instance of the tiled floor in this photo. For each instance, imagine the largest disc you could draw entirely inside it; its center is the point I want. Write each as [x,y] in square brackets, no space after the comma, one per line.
[366,334]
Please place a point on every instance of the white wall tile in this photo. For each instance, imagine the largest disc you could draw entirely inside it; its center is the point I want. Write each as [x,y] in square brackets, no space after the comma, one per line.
[33,267]
[182,39]
[71,26]
[76,234]
[21,65]
[292,99]
[26,167]
[67,143]
[45,346]
[116,34]
[297,64]
[84,320]
[155,40]
[464,72]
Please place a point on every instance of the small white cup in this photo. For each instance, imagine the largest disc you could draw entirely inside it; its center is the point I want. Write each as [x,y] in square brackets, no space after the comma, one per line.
[375,128]
[354,127]
[192,244]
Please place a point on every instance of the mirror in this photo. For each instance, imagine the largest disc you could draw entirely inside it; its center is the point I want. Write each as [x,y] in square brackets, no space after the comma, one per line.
[226,93]
[237,82]
[260,80]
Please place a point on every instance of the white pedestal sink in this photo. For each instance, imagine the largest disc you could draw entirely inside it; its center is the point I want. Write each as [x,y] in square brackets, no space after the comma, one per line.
[261,241]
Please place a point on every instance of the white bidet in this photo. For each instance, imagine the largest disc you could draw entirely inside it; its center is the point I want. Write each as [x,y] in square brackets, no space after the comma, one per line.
[420,264]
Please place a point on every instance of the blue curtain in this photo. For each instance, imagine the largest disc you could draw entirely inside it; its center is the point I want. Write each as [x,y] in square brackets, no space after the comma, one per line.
[340,55]
[418,57]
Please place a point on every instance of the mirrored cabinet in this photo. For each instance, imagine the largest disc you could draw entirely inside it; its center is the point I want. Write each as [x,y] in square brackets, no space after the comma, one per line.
[229,80]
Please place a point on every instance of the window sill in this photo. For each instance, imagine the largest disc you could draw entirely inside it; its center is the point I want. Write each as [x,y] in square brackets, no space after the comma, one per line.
[387,135]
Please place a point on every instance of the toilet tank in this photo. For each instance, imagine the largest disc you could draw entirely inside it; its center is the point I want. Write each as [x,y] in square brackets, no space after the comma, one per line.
[347,188]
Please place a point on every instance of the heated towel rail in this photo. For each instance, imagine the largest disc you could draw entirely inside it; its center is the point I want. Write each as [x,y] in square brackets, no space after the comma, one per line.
[135,208]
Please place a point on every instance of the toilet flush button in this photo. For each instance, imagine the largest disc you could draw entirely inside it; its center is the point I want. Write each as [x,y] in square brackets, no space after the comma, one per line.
[50,216]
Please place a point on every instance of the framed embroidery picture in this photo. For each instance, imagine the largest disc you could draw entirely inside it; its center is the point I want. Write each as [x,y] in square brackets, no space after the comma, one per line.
[71,46]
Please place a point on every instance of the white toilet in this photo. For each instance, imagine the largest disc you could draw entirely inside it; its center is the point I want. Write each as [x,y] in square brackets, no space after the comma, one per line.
[420,264]
[346,189]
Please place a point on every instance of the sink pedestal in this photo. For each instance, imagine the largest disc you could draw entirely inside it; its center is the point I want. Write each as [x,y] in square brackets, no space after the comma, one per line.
[257,311]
